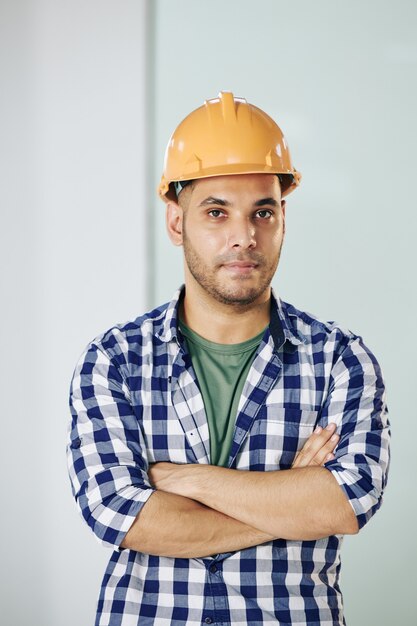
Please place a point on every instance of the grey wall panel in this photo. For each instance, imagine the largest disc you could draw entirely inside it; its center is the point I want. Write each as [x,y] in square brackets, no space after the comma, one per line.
[73,199]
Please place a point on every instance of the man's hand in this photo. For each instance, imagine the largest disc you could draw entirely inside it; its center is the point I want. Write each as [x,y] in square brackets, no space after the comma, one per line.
[318,448]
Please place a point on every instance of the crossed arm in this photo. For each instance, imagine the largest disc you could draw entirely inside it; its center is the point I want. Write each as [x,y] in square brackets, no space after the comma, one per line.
[200,510]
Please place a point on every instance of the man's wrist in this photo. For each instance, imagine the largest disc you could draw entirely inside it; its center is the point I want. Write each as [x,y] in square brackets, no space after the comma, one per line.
[194,480]
[187,480]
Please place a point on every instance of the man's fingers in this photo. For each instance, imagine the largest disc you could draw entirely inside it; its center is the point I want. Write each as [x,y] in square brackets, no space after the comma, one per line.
[318,446]
[326,452]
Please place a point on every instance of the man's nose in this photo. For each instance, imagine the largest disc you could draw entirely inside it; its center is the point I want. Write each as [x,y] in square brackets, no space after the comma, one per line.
[242,234]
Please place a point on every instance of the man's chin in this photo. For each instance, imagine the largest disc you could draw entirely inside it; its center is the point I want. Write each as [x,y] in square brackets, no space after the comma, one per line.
[237,297]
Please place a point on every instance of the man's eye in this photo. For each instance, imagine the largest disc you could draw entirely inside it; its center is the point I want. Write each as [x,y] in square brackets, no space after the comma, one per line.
[264,214]
[215,213]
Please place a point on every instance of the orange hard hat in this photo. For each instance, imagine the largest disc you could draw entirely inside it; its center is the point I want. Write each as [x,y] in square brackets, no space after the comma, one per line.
[226,135]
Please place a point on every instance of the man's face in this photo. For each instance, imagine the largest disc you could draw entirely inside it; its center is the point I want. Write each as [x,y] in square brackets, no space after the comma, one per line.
[231,229]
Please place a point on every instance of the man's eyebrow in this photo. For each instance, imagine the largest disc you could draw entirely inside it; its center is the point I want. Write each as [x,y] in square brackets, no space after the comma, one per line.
[268,201]
[213,200]
[220,202]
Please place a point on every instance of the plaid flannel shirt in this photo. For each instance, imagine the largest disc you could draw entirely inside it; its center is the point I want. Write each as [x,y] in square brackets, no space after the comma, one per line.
[135,401]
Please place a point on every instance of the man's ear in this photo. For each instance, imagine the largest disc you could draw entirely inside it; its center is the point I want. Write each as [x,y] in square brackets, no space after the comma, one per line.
[283,207]
[174,221]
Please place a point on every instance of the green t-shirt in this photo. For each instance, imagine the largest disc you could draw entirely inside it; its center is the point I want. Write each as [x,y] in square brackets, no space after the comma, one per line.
[221,371]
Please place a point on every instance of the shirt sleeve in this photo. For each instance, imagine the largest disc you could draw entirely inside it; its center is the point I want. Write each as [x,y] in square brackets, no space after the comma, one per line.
[107,467]
[356,403]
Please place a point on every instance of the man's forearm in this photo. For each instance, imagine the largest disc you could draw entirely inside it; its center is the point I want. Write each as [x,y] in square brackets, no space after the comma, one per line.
[175,526]
[300,504]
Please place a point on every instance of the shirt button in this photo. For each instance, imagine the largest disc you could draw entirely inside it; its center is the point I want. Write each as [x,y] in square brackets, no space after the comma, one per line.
[76,443]
[208,620]
[213,569]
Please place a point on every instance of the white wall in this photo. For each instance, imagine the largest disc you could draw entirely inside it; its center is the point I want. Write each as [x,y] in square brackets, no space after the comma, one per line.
[73,199]
[341,79]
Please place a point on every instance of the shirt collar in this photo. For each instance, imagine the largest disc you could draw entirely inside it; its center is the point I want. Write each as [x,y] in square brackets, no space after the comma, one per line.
[169,328]
[281,326]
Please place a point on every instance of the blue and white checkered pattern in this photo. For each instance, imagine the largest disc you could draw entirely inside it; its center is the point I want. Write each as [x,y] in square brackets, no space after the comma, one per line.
[135,401]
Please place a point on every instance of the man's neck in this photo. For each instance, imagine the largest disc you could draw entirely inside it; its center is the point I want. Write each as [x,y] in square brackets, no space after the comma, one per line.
[224,323]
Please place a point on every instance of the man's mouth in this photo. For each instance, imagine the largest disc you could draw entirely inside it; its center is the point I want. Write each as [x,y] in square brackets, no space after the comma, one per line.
[240,267]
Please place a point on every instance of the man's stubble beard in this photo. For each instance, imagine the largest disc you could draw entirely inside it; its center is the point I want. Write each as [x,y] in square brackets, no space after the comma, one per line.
[206,276]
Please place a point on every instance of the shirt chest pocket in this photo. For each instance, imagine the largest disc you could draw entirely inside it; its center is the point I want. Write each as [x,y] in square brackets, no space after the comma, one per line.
[277,434]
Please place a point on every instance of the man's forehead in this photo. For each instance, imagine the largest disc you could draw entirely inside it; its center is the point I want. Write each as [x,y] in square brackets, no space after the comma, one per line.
[238,183]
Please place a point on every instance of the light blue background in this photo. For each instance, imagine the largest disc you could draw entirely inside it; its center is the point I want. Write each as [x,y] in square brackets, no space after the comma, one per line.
[340,79]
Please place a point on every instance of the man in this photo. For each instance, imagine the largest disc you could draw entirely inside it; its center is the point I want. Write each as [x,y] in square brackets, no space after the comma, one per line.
[224,443]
